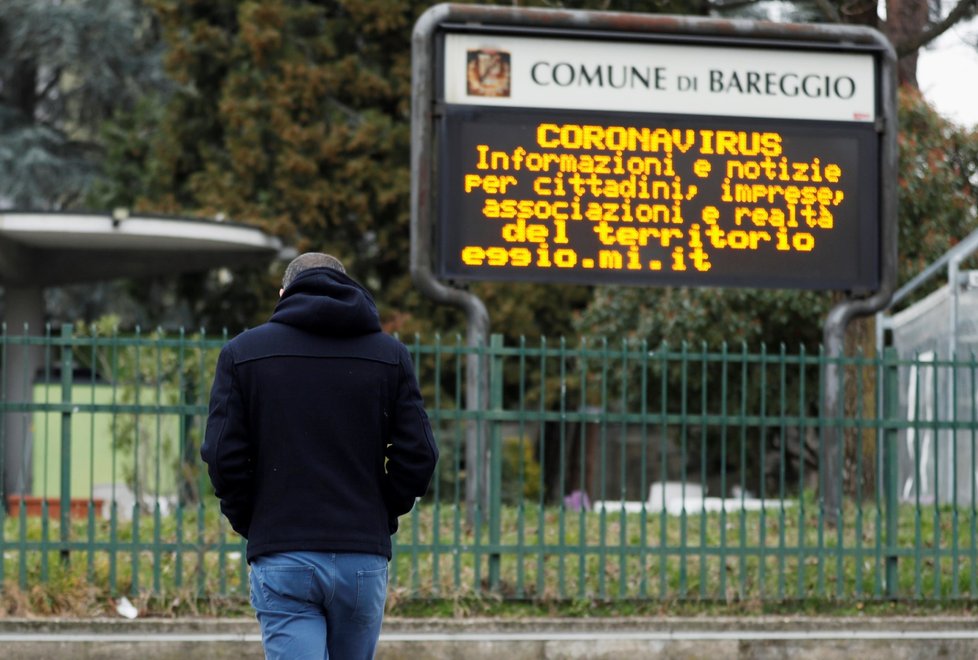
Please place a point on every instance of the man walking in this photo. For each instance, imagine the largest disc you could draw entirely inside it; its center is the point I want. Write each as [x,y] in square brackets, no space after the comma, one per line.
[316,441]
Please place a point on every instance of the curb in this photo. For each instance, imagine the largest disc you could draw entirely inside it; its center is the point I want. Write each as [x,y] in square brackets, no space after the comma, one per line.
[892,638]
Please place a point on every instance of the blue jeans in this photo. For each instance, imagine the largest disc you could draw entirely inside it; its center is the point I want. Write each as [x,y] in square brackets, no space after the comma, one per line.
[319,604]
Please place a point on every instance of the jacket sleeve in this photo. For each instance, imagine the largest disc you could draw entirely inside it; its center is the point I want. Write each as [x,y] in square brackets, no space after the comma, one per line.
[227,449]
[411,449]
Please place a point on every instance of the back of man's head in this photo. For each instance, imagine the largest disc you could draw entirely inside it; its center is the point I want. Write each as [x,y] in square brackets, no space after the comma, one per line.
[309,260]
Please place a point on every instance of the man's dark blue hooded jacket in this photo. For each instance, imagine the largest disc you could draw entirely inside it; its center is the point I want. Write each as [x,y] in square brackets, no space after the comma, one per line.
[305,411]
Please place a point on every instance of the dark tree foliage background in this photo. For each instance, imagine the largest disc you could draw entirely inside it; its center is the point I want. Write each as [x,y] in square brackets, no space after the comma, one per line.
[67,68]
[293,115]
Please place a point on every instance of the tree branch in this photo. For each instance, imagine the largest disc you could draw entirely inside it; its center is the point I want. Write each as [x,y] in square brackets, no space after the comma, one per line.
[730,4]
[52,83]
[829,10]
[924,37]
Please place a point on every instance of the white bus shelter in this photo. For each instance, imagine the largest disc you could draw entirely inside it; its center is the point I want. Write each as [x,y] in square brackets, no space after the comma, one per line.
[45,249]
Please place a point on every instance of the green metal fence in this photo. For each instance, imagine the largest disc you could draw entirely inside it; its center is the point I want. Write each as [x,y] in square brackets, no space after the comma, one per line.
[590,469]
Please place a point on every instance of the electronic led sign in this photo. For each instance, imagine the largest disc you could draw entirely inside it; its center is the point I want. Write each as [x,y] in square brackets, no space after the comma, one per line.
[589,161]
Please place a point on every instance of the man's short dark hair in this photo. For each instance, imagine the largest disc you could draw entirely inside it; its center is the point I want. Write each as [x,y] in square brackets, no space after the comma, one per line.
[309,260]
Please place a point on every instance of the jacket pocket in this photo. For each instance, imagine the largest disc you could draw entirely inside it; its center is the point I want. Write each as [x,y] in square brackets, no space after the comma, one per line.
[426,425]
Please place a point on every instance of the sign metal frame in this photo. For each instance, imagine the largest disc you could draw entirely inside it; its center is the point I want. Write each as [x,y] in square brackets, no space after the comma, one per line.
[427,110]
[430,111]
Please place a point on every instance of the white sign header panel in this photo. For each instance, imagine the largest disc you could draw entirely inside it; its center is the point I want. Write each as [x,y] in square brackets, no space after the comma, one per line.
[508,71]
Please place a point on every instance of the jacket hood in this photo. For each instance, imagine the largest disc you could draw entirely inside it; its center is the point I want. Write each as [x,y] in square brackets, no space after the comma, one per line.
[327,302]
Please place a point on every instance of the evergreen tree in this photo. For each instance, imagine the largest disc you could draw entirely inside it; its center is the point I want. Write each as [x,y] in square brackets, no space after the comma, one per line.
[65,68]
[295,116]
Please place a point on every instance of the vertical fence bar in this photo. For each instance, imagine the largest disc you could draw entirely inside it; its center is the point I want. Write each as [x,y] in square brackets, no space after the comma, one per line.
[955,559]
[973,512]
[762,493]
[458,438]
[495,461]
[824,477]
[643,482]
[663,469]
[918,474]
[67,360]
[203,483]
[562,472]
[544,466]
[835,447]
[802,445]
[158,459]
[4,411]
[683,461]
[938,432]
[415,511]
[913,415]
[478,467]
[744,366]
[724,393]
[137,486]
[436,508]
[582,485]
[114,503]
[891,475]
[860,481]
[90,530]
[45,492]
[45,488]
[604,408]
[782,459]
[185,398]
[879,564]
[520,490]
[703,557]
[623,473]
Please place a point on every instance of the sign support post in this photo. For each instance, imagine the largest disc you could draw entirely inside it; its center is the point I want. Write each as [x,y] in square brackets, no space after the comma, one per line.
[477,318]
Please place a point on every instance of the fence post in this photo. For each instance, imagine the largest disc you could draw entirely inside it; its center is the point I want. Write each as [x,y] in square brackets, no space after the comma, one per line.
[891,410]
[67,360]
[495,459]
